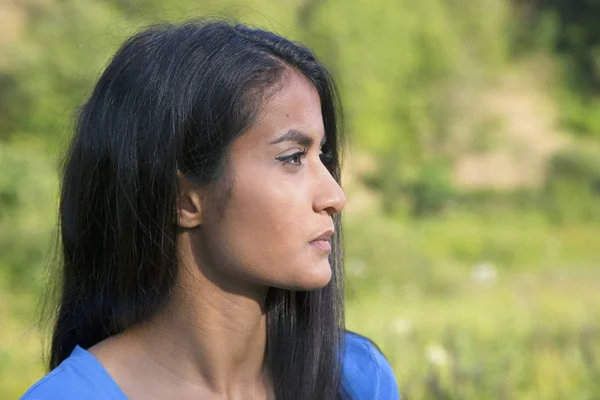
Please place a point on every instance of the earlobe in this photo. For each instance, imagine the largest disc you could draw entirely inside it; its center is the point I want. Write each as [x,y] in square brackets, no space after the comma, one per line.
[189,203]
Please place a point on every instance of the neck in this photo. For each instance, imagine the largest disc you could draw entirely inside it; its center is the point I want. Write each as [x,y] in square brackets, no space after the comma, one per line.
[209,336]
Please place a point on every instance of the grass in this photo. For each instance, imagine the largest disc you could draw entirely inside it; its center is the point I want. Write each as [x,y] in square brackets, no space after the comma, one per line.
[526,327]
[524,337]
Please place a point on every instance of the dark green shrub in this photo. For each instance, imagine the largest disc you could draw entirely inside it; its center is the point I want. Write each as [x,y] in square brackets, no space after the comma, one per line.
[573,185]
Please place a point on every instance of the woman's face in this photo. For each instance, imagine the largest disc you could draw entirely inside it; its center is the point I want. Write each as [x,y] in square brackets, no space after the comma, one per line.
[280,200]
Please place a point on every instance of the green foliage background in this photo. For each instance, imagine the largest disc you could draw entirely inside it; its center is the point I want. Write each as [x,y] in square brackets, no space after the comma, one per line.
[472,292]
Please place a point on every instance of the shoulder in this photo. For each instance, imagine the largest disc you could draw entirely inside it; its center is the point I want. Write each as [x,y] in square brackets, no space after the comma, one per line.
[72,379]
[367,374]
[64,383]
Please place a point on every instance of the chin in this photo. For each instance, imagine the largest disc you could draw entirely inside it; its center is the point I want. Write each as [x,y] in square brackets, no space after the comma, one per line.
[313,278]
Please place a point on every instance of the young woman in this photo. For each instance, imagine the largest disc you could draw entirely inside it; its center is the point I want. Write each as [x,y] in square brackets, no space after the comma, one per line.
[200,229]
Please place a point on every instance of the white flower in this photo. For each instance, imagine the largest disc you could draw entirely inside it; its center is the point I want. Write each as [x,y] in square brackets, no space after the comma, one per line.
[436,355]
[402,326]
[484,273]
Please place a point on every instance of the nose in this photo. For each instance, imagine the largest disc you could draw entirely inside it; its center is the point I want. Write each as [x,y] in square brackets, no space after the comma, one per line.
[329,196]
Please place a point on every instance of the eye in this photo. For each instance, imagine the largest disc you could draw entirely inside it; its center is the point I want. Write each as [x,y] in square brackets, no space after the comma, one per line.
[294,159]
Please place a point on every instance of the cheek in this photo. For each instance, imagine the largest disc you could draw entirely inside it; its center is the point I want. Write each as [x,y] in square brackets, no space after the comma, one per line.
[266,229]
[268,216]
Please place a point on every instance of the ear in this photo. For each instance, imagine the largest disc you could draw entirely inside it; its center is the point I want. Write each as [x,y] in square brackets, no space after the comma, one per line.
[190,200]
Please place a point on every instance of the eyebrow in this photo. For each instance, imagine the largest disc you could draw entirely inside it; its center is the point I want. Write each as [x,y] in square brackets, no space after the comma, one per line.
[302,138]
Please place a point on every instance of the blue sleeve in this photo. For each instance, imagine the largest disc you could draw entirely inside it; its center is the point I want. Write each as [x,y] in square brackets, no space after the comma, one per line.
[63,383]
[388,387]
[56,385]
[367,373]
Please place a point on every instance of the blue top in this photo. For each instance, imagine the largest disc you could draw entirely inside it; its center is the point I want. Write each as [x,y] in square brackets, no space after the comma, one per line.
[366,373]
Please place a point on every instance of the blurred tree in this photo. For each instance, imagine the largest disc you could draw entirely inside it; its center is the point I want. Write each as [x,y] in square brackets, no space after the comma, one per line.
[578,36]
[570,29]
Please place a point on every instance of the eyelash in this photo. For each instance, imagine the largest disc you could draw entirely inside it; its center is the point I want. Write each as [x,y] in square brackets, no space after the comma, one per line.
[325,158]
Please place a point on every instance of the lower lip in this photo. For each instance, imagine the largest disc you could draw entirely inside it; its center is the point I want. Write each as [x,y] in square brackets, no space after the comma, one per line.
[321,245]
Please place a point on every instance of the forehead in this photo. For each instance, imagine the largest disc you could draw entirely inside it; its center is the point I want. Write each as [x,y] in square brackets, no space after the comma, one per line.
[296,105]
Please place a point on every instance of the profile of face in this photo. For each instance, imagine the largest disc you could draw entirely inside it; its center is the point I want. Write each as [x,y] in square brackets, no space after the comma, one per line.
[280,199]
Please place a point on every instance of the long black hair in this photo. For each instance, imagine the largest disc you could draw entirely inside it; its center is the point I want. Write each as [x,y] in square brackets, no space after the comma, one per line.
[173,98]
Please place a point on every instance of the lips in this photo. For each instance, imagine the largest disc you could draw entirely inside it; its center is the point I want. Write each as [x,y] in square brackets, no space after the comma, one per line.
[322,242]
[324,236]
[321,245]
